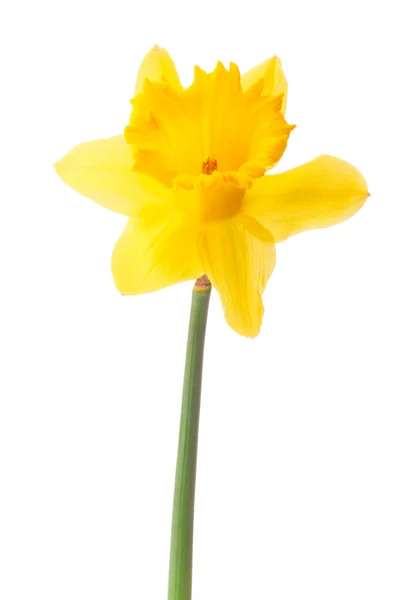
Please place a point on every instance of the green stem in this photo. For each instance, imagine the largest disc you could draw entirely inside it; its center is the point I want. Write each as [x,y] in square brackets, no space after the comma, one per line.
[180,575]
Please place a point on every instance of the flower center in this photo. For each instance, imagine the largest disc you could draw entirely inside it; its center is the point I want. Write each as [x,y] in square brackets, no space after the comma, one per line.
[171,130]
[210,165]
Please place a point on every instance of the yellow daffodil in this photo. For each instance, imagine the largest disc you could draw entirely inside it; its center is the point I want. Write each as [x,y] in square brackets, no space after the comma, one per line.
[189,172]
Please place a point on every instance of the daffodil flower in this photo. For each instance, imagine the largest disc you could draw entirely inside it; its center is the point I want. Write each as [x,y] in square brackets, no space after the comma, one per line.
[190,173]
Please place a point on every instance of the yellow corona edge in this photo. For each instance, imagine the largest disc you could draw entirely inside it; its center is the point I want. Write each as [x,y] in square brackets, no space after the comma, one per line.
[190,173]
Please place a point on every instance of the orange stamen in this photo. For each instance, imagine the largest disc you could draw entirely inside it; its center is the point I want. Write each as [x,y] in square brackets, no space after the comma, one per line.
[210,165]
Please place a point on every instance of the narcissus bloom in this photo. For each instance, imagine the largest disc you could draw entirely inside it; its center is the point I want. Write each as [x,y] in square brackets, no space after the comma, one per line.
[189,172]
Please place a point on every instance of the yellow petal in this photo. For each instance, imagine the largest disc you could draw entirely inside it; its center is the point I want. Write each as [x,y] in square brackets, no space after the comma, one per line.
[320,193]
[157,66]
[155,250]
[102,170]
[238,256]
[274,79]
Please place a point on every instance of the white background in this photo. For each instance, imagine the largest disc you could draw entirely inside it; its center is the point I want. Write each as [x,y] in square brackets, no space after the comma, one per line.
[307,447]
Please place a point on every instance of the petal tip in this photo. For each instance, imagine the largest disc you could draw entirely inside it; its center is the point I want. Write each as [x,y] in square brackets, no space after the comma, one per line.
[60,170]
